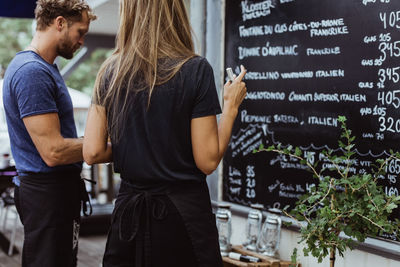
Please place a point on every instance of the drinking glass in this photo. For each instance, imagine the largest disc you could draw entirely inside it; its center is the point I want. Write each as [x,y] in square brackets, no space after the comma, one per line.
[253,226]
[269,238]
[224,226]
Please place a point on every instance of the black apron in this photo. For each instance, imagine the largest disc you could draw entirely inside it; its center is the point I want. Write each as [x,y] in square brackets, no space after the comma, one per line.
[177,216]
[49,207]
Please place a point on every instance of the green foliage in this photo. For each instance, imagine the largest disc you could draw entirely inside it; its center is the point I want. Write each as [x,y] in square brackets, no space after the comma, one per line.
[15,36]
[293,258]
[342,202]
[84,75]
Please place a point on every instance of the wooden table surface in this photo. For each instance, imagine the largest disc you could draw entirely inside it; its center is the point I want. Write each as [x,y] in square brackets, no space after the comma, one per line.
[265,260]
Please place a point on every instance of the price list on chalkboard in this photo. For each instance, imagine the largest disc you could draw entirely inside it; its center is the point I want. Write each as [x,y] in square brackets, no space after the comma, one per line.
[309,61]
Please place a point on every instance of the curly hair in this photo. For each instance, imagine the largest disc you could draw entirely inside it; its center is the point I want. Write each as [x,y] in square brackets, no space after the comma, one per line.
[47,10]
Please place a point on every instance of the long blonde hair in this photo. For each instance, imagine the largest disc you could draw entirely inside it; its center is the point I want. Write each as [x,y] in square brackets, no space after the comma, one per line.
[153,42]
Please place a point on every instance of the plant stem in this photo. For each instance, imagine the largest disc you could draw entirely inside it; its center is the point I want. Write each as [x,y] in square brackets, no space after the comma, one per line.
[297,157]
[296,220]
[332,256]
[377,225]
[323,198]
[348,151]
[370,197]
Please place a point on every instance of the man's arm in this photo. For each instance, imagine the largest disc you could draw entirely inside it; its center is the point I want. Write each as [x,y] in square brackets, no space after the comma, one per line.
[45,131]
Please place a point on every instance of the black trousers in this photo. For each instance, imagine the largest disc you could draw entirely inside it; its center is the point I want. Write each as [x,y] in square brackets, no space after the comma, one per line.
[49,208]
[171,227]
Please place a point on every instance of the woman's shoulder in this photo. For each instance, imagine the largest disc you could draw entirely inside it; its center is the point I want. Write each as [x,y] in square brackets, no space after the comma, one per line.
[198,60]
[196,64]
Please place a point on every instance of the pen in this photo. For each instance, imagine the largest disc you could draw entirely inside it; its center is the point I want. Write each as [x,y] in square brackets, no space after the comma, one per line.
[230,74]
[244,258]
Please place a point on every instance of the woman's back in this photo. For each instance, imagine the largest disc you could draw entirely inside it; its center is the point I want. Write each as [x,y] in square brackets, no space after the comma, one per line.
[160,116]
[155,144]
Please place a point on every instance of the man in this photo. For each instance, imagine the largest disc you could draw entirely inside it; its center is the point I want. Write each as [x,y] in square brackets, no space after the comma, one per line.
[43,137]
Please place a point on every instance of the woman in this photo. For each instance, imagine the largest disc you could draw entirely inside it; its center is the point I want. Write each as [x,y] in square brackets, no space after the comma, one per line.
[157,102]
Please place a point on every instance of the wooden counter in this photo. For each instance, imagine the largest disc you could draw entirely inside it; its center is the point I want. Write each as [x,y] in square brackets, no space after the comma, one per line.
[266,261]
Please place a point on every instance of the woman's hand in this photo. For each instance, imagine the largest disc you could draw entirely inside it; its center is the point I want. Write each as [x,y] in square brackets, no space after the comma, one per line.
[235,92]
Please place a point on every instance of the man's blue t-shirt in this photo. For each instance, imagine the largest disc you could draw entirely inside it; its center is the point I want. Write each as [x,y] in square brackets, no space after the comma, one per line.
[31,87]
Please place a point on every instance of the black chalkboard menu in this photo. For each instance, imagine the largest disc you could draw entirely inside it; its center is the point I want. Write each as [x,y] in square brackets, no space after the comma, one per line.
[309,61]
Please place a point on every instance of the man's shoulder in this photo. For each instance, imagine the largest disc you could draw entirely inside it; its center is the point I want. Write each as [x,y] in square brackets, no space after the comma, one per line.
[31,68]
[25,66]
[25,75]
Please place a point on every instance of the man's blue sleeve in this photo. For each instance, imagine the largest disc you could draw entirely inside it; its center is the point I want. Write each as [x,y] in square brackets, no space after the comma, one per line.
[35,90]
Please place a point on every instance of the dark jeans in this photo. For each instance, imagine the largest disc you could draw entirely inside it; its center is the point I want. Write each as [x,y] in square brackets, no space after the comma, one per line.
[49,208]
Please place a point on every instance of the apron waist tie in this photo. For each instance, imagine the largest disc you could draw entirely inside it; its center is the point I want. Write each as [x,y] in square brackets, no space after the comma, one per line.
[84,197]
[137,213]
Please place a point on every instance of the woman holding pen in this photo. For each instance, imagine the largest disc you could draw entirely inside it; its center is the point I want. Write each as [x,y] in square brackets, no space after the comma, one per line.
[156,100]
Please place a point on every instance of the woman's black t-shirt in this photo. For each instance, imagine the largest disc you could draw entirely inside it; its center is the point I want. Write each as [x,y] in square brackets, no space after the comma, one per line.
[155,145]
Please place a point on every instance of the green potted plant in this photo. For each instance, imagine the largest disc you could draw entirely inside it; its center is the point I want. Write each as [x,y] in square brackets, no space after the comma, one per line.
[341,201]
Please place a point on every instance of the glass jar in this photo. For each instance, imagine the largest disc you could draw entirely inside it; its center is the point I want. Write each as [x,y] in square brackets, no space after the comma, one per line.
[224,226]
[253,226]
[269,238]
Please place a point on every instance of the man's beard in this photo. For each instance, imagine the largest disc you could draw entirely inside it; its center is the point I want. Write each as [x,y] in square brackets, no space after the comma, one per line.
[66,48]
